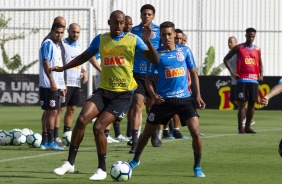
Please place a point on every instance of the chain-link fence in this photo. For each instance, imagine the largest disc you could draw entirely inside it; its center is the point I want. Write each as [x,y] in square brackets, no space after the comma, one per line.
[207,23]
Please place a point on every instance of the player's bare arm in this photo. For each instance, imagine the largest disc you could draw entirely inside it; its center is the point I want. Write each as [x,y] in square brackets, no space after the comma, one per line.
[196,85]
[79,60]
[46,66]
[151,54]
[261,69]
[95,63]
[149,85]
[273,92]
[226,59]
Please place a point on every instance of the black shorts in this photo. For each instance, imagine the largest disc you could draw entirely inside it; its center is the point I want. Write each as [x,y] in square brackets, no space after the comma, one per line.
[247,91]
[72,97]
[49,100]
[140,80]
[233,94]
[115,103]
[161,114]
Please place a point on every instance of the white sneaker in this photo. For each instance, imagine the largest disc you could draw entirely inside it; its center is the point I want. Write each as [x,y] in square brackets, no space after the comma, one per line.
[59,141]
[111,140]
[121,138]
[252,122]
[66,167]
[99,175]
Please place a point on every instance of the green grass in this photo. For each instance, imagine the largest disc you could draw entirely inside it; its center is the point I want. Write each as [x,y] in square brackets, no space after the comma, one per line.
[227,156]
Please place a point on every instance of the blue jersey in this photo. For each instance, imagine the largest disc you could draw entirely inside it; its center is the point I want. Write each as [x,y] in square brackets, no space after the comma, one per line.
[140,63]
[95,44]
[173,73]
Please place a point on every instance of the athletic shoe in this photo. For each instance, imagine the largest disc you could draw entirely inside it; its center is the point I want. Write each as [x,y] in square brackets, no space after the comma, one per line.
[54,146]
[133,164]
[198,172]
[122,138]
[111,140]
[248,130]
[99,175]
[167,135]
[156,142]
[43,146]
[59,141]
[241,130]
[66,167]
[202,135]
[178,135]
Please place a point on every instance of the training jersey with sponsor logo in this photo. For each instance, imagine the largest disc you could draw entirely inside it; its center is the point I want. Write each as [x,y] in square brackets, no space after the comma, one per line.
[117,57]
[173,73]
[248,63]
[72,49]
[140,63]
[51,52]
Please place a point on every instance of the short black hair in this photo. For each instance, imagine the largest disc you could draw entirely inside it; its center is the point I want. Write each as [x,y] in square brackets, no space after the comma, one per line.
[148,6]
[250,29]
[178,31]
[116,12]
[167,24]
[57,25]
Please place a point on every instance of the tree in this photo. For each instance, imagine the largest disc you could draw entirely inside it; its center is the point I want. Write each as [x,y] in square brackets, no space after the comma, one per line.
[14,63]
[208,68]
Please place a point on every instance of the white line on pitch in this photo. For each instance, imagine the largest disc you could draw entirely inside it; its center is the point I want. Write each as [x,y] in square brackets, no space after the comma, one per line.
[116,145]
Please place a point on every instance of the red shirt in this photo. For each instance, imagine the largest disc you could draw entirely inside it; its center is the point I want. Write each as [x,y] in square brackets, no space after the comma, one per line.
[248,63]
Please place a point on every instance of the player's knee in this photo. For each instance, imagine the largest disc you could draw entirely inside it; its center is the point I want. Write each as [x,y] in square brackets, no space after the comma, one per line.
[81,122]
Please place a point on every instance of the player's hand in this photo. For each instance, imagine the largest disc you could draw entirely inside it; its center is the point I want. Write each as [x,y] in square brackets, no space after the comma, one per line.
[146,33]
[56,69]
[235,75]
[158,99]
[84,76]
[53,87]
[264,100]
[202,104]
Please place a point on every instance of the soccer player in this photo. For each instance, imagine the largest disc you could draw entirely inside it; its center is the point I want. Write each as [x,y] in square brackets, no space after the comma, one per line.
[51,85]
[74,75]
[179,36]
[232,42]
[172,95]
[273,92]
[115,90]
[249,72]
[147,12]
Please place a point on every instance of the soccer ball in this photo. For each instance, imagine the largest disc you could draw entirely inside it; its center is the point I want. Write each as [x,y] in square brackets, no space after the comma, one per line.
[27,131]
[18,138]
[121,171]
[5,138]
[34,140]
[66,138]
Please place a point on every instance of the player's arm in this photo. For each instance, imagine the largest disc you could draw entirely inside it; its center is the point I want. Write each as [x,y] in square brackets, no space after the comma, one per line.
[226,59]
[273,92]
[84,74]
[261,68]
[95,63]
[46,67]
[150,54]
[196,87]
[149,85]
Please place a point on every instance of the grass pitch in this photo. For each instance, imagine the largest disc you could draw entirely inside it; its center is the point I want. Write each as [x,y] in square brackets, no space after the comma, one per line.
[227,156]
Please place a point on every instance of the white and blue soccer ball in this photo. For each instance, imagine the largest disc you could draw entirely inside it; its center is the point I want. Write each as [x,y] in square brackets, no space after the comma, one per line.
[34,140]
[27,131]
[5,138]
[66,138]
[121,171]
[18,138]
